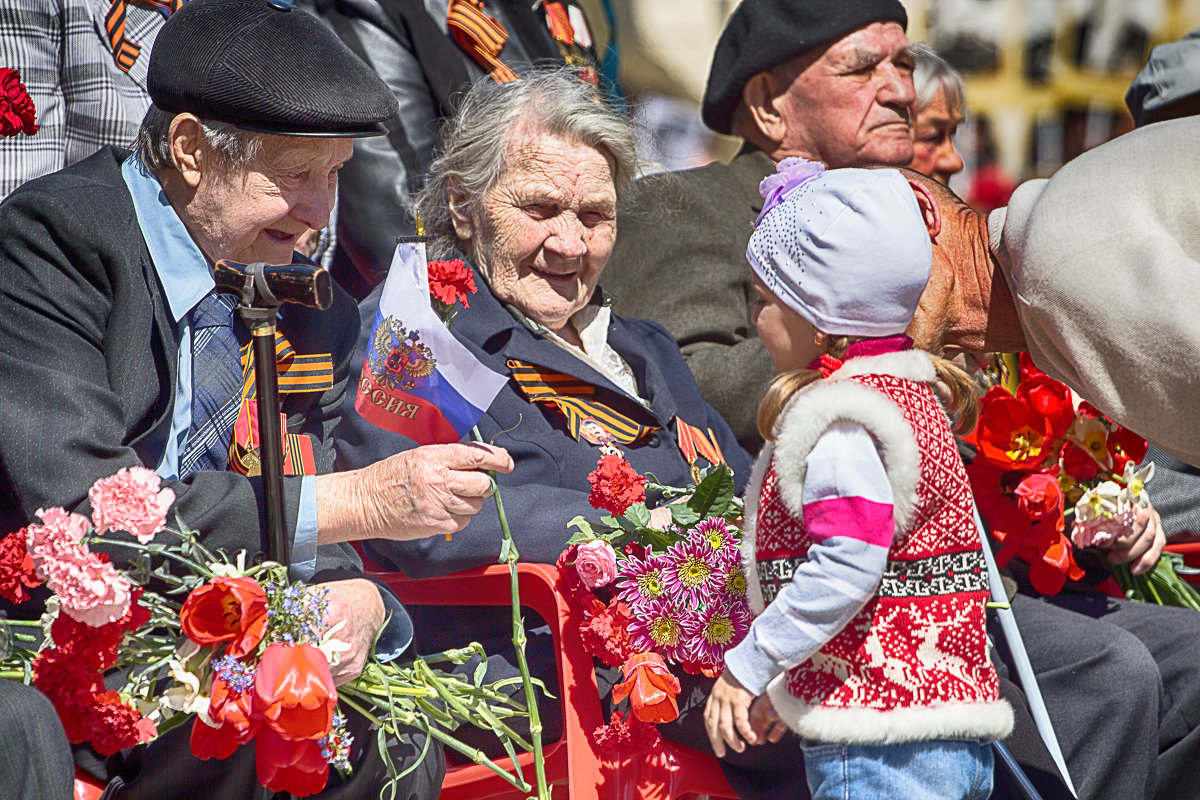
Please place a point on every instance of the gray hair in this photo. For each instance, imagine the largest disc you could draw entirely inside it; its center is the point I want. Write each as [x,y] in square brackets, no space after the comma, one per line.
[930,73]
[475,141]
[233,147]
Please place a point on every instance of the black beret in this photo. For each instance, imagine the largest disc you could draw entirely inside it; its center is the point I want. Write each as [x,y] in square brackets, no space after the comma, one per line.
[762,34]
[264,66]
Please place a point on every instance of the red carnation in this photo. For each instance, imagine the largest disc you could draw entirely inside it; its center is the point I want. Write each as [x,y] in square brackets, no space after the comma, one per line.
[451,282]
[615,485]
[16,568]
[627,736]
[115,725]
[17,113]
[606,634]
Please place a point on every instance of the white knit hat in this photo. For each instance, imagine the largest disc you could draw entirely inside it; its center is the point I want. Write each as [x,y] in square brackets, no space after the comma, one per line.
[847,249]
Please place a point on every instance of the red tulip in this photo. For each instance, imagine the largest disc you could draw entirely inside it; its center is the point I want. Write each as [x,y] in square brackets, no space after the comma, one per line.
[230,610]
[650,687]
[1010,433]
[285,765]
[1041,498]
[209,742]
[1126,447]
[294,692]
[1051,400]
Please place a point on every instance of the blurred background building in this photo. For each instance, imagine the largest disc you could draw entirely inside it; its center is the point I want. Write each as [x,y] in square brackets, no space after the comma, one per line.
[1046,79]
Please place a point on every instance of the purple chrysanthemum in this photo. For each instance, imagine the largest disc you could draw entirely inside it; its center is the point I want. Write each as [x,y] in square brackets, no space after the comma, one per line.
[659,627]
[734,582]
[640,580]
[691,572]
[715,629]
[716,534]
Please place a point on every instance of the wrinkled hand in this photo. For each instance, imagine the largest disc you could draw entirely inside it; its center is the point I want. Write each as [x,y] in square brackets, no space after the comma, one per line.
[727,715]
[1142,545]
[765,722]
[357,604]
[411,495]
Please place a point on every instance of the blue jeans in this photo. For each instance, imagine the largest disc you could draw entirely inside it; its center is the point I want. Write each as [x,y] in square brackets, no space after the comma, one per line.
[938,770]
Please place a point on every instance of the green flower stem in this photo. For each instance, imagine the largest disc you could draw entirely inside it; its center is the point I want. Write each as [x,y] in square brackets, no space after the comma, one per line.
[476,755]
[21,623]
[510,552]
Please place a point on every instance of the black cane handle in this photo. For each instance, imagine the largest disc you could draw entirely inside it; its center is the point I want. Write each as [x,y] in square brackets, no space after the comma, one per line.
[263,285]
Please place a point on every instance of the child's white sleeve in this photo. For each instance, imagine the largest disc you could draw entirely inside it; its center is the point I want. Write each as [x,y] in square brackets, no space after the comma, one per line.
[849,517]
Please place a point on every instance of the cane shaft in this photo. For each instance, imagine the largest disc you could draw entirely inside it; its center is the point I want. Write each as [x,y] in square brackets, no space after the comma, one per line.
[270,437]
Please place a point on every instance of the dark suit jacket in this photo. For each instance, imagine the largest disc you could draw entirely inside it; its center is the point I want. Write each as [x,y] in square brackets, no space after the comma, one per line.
[680,260]
[88,359]
[549,485]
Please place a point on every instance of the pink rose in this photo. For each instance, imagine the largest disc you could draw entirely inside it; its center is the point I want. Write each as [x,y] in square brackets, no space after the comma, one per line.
[90,589]
[132,501]
[1102,531]
[596,563]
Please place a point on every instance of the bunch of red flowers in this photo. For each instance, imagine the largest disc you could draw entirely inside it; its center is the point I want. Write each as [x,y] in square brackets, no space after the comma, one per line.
[1037,455]
[661,596]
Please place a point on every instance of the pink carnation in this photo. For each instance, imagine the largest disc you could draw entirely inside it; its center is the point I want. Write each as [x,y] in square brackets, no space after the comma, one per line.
[90,590]
[1102,531]
[596,563]
[132,501]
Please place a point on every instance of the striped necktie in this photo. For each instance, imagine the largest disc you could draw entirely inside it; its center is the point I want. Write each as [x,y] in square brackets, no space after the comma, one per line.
[480,36]
[125,51]
[216,385]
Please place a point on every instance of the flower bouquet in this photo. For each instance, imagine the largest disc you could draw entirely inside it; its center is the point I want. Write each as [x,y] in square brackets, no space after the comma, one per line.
[240,651]
[1051,474]
[651,597]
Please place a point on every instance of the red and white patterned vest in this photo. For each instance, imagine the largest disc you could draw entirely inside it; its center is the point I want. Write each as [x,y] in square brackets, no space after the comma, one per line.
[913,663]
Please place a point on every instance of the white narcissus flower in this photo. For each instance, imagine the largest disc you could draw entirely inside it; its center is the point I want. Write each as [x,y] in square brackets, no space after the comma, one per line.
[234,570]
[192,677]
[332,646]
[1098,503]
[1091,434]
[1134,494]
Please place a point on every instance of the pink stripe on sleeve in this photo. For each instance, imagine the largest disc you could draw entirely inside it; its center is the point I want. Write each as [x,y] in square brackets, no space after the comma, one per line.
[853,517]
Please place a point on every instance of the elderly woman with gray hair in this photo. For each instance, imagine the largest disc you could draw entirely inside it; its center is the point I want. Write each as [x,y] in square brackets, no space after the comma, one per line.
[526,191]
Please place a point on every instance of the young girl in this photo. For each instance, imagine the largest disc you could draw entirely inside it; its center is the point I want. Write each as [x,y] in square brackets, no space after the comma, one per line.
[863,561]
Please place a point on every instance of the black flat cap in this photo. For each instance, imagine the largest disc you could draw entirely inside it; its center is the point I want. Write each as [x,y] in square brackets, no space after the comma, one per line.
[762,34]
[265,67]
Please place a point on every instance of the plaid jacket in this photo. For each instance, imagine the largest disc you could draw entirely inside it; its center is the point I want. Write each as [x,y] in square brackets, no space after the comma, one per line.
[83,100]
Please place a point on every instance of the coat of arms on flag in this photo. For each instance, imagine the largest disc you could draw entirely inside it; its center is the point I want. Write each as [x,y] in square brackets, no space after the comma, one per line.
[398,359]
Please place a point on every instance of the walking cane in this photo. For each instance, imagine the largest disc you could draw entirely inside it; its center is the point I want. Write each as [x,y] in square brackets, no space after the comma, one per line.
[261,289]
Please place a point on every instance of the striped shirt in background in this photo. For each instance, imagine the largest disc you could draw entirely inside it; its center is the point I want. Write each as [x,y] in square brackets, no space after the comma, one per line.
[83,99]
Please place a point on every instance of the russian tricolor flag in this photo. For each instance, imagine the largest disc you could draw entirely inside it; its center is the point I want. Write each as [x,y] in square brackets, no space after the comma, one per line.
[417,380]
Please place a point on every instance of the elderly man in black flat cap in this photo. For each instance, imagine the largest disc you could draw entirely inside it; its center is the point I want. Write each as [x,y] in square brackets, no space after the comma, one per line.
[116,350]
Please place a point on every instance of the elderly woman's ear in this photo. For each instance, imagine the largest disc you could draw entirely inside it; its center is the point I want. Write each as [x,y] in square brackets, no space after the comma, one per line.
[460,213]
[187,142]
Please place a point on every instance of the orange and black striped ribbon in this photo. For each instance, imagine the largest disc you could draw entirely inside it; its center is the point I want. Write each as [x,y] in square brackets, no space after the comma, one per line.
[125,51]
[297,373]
[480,36]
[575,399]
[693,443]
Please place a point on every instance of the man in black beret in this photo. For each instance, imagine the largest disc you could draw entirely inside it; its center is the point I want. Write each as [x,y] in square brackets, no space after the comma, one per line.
[828,80]
[117,352]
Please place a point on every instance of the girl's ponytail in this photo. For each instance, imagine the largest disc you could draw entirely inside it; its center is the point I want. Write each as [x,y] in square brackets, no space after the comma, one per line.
[786,385]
